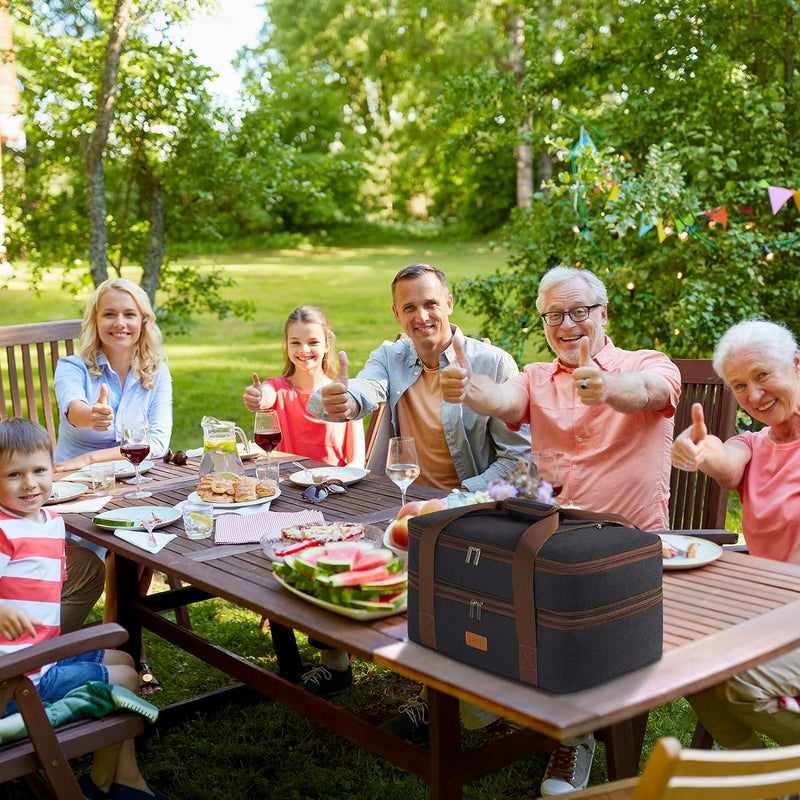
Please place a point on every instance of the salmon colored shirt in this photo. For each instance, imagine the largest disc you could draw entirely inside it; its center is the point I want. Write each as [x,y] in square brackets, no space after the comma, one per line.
[419,414]
[336,443]
[770,494]
[612,461]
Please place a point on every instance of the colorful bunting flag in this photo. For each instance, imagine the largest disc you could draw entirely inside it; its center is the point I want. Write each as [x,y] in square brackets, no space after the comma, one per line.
[645,226]
[660,230]
[778,197]
[584,143]
[718,214]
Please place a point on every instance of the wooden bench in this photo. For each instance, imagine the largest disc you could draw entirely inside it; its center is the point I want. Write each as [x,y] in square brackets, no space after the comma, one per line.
[50,749]
[26,371]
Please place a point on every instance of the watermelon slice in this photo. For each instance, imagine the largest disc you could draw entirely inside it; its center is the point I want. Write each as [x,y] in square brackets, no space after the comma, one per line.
[355,577]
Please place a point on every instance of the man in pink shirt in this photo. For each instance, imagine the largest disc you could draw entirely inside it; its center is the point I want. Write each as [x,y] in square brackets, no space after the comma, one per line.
[608,412]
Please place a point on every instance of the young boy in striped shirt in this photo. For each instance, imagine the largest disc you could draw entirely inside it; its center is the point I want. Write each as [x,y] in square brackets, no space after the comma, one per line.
[32,569]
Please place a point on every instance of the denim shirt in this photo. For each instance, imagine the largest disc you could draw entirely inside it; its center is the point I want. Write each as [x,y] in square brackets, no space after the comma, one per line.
[482,448]
[72,381]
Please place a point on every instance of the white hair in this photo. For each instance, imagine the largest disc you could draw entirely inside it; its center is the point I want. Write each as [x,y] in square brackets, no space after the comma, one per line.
[562,274]
[769,338]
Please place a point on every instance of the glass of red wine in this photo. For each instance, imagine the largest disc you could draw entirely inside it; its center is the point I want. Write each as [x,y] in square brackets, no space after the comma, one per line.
[267,432]
[136,447]
[548,466]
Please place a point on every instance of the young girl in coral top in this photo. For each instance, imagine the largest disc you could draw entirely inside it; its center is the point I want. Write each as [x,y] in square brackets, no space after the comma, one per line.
[310,364]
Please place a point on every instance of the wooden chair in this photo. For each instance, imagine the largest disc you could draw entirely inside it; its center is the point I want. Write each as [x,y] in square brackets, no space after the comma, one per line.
[697,501]
[26,371]
[376,439]
[674,773]
[26,378]
[50,749]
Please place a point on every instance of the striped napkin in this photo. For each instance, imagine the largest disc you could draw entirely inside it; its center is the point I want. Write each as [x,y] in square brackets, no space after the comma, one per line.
[266,526]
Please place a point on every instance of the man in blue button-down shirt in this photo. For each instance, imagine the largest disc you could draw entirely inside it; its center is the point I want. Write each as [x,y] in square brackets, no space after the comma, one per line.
[456,446]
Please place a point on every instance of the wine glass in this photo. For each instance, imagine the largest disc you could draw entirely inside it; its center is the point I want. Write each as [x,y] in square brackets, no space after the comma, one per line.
[136,447]
[402,464]
[149,524]
[267,432]
[548,467]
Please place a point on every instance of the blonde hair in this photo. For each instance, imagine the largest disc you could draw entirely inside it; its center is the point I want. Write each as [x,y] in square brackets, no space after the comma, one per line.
[314,316]
[147,352]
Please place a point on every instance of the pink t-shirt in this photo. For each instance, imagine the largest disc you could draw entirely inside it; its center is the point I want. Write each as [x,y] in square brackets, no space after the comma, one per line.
[613,462]
[334,443]
[771,501]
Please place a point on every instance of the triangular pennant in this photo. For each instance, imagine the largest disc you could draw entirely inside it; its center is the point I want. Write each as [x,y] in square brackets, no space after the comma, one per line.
[718,214]
[681,223]
[644,226]
[746,210]
[660,230]
[613,195]
[584,143]
[778,197]
[797,199]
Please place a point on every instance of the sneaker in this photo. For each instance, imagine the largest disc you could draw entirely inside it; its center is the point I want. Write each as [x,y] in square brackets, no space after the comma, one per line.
[325,682]
[569,768]
[411,723]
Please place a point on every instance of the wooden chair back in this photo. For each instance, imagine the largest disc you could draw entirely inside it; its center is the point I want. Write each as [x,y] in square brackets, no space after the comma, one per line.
[674,773]
[697,501]
[376,439]
[49,749]
[30,353]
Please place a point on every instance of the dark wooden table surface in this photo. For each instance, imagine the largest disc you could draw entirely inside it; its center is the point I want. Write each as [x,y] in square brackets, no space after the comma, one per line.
[718,619]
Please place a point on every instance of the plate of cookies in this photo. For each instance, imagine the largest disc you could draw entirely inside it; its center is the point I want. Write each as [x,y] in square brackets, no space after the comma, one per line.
[233,491]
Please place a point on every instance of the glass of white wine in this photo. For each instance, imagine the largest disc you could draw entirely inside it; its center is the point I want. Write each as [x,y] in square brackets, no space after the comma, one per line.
[402,464]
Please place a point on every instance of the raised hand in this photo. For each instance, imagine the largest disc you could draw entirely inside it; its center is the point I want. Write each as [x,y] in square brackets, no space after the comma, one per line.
[689,447]
[455,378]
[336,400]
[101,415]
[252,394]
[590,383]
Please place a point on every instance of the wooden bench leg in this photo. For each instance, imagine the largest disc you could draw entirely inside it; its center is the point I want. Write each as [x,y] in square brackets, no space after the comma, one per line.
[623,743]
[181,612]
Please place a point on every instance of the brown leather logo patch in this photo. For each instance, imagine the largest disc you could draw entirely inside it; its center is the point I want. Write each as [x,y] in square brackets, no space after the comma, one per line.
[476,641]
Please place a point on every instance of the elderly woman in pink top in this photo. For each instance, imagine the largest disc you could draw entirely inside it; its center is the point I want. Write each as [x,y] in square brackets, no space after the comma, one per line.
[760,362]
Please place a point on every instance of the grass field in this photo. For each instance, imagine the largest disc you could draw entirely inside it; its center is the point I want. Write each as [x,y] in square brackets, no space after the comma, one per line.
[267,752]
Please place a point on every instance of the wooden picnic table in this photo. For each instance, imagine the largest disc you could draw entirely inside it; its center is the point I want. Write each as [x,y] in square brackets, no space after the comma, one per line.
[718,620]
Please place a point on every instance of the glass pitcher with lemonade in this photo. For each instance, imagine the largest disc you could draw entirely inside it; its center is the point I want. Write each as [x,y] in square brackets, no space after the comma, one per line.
[220,453]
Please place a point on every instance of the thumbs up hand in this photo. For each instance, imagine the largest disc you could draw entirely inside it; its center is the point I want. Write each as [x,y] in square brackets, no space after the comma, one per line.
[252,394]
[590,382]
[101,415]
[336,400]
[689,448]
[455,378]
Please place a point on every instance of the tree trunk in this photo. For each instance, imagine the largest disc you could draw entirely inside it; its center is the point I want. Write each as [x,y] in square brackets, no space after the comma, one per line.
[522,151]
[94,149]
[156,242]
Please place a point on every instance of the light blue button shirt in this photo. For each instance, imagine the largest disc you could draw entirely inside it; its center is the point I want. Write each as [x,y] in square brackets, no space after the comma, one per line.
[482,448]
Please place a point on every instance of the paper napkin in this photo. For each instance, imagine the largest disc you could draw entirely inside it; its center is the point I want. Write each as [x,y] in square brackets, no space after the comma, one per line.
[81,506]
[266,526]
[141,539]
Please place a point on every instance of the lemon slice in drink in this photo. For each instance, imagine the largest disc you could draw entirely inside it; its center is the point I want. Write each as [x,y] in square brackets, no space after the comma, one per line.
[229,476]
[202,524]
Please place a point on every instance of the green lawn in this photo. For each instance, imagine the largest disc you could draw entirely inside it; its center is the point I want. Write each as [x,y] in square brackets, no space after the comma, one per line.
[268,752]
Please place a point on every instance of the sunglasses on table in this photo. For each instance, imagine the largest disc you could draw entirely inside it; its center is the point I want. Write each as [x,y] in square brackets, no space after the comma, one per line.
[319,491]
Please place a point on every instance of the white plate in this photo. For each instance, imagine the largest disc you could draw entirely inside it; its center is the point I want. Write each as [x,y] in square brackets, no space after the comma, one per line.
[345,474]
[122,469]
[353,613]
[372,533]
[252,451]
[64,490]
[194,497]
[706,551]
[136,514]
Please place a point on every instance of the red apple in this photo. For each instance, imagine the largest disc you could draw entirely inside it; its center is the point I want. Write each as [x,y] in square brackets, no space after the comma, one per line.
[398,532]
[433,505]
[410,509]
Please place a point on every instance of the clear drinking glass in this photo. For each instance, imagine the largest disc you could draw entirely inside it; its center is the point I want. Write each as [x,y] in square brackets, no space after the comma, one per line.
[136,447]
[267,432]
[402,464]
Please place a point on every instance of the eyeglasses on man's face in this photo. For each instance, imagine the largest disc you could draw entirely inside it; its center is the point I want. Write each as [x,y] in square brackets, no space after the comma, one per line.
[577,314]
[319,491]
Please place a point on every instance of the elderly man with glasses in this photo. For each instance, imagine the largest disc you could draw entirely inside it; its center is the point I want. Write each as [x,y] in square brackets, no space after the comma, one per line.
[608,412]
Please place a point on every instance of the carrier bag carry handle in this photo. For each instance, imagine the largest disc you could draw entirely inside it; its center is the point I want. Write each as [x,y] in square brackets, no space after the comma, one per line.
[427,625]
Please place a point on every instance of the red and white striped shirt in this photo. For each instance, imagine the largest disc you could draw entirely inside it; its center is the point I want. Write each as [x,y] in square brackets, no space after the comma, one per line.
[32,570]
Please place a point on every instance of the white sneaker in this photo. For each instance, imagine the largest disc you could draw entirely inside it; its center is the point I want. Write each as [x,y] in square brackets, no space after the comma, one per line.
[569,767]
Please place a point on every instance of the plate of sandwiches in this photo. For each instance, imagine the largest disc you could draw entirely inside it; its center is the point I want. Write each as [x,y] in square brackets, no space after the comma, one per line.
[234,491]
